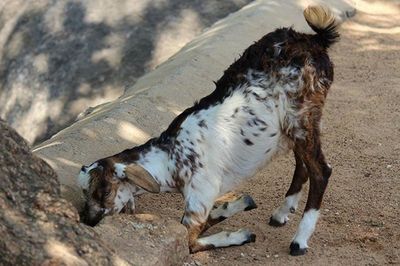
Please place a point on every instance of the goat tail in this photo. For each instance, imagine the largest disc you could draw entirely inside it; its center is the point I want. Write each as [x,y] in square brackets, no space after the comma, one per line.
[322,20]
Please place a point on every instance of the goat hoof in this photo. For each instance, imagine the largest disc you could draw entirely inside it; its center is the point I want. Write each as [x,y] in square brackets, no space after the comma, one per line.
[295,249]
[275,223]
[249,202]
[251,238]
[248,236]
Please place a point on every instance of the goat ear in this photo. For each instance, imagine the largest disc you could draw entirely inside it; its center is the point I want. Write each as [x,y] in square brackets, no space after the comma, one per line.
[140,177]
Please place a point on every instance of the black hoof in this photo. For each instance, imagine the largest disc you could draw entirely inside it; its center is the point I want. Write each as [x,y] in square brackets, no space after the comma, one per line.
[275,223]
[295,249]
[249,202]
[250,238]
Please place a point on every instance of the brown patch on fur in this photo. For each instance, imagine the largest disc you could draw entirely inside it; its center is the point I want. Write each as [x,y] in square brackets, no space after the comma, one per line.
[179,182]
[194,233]
[300,176]
[309,150]
[102,187]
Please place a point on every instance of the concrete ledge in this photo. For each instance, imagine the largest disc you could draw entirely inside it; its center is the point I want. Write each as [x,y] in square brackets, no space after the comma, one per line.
[147,108]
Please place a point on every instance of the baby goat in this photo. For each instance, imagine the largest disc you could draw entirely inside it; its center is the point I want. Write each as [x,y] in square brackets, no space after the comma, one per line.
[269,100]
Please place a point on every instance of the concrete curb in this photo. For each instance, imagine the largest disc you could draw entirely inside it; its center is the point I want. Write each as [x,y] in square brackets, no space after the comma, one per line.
[147,108]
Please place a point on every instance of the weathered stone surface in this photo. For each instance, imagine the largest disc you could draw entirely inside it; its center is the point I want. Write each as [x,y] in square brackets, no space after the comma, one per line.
[145,239]
[37,227]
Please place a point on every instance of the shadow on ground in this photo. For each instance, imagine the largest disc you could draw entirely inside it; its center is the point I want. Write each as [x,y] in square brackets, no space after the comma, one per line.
[58,58]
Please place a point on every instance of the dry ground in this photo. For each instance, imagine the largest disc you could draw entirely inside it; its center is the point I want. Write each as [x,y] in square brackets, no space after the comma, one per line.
[360,222]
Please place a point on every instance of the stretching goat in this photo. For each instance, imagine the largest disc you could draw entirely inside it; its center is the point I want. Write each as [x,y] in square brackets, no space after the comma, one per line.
[269,100]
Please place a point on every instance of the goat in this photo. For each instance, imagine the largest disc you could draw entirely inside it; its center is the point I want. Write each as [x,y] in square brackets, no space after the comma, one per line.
[267,101]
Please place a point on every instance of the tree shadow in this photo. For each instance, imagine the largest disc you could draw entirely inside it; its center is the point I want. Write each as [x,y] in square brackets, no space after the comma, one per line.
[48,77]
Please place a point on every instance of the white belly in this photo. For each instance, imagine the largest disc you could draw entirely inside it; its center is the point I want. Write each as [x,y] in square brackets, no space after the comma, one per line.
[241,142]
[237,137]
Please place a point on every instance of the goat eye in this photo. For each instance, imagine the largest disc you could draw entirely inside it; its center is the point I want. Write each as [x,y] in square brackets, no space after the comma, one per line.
[107,193]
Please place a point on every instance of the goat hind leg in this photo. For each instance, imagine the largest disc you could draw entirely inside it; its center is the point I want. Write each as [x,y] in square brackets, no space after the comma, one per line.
[281,215]
[319,173]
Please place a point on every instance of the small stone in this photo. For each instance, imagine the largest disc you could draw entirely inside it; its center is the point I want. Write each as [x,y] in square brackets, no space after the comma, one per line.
[389,166]
[276,255]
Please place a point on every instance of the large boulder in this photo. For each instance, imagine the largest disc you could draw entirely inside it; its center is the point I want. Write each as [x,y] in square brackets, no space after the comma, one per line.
[37,227]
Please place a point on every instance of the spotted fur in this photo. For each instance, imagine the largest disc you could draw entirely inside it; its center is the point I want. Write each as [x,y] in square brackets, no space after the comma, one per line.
[269,100]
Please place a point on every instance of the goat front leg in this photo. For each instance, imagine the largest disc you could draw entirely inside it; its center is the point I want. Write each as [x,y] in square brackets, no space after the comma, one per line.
[319,172]
[281,215]
[197,209]
[230,208]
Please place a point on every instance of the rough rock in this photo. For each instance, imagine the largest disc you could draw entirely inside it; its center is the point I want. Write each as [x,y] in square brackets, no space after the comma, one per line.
[37,227]
[145,239]
[59,57]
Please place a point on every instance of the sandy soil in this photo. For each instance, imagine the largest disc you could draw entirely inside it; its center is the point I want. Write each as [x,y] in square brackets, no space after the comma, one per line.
[360,222]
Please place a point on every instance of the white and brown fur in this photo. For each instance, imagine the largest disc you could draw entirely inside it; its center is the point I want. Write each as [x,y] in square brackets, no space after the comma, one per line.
[269,100]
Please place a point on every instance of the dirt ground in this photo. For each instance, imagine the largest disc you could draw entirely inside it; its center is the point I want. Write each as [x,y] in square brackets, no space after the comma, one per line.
[359,222]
